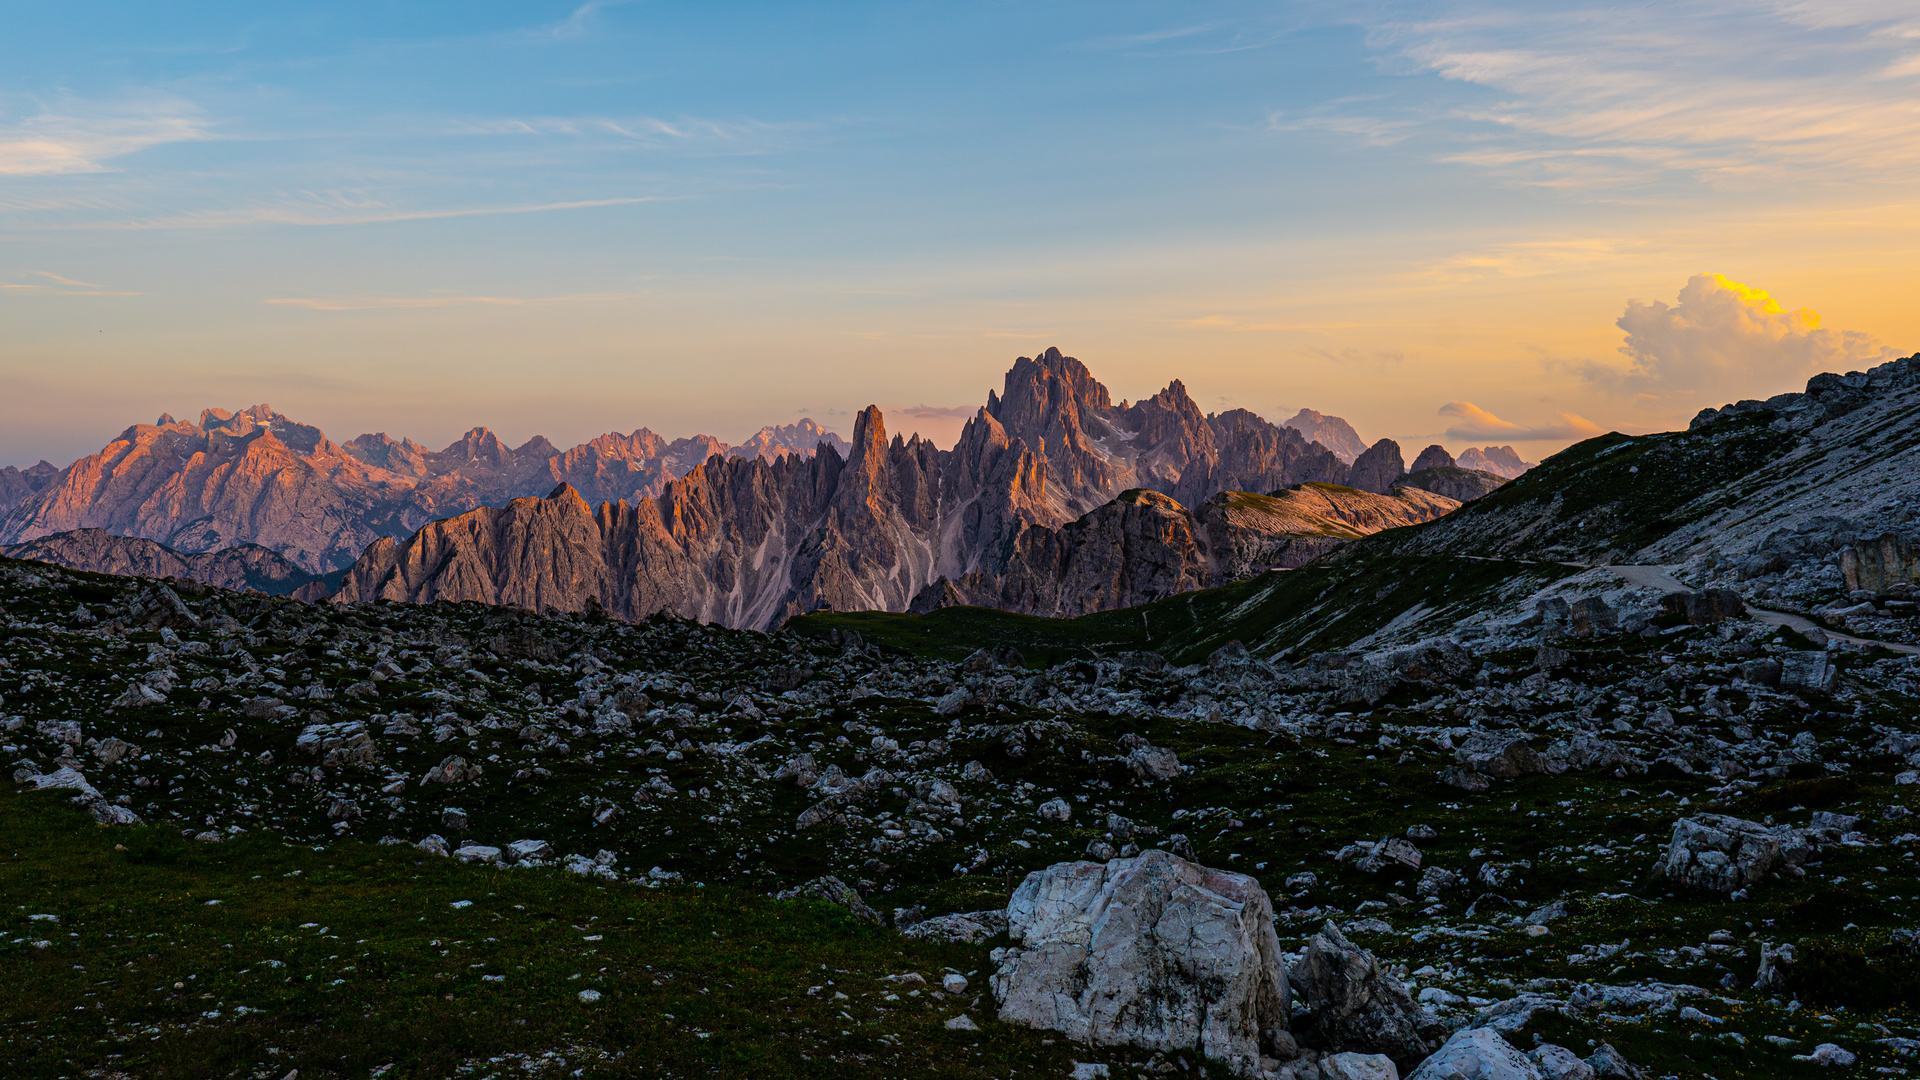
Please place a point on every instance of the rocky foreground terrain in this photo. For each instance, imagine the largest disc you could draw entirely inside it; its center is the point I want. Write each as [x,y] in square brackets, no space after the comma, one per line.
[1606,829]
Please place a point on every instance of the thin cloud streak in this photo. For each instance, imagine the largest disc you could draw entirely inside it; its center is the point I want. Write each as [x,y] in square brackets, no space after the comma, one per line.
[377,303]
[83,136]
[1477,424]
[215,219]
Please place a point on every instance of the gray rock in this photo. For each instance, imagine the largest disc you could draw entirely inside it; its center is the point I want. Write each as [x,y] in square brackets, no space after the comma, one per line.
[962,928]
[1559,1063]
[529,851]
[1503,757]
[800,771]
[1436,881]
[1056,810]
[1476,1054]
[1705,608]
[952,703]
[1390,850]
[480,853]
[1149,762]
[1590,616]
[1351,1066]
[834,891]
[434,844]
[1806,670]
[454,769]
[1464,779]
[1515,1013]
[1726,854]
[1153,951]
[1608,1062]
[111,751]
[1351,1003]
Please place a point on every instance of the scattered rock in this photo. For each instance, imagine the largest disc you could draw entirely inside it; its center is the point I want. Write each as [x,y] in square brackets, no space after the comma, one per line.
[1726,854]
[834,891]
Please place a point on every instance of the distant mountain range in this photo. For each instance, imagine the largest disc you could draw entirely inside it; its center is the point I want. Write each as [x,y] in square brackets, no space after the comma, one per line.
[263,478]
[794,519]
[749,543]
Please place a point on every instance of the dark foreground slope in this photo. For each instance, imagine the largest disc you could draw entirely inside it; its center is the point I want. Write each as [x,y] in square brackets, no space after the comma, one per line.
[675,746]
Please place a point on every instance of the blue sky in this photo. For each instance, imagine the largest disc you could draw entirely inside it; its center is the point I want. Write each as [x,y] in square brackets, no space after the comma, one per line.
[568,219]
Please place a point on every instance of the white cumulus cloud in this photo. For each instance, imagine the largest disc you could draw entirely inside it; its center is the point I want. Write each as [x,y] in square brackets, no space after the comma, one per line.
[1727,337]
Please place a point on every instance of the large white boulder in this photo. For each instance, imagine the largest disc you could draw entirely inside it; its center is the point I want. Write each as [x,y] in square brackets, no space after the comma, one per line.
[1476,1054]
[1152,951]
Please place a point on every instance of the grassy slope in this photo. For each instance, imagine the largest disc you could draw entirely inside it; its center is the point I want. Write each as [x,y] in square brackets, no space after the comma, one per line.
[1324,606]
[254,957]
[1609,492]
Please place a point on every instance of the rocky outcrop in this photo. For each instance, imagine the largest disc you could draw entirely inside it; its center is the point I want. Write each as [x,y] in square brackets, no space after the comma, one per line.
[1755,489]
[1349,1002]
[1879,563]
[1725,854]
[1433,457]
[1153,951]
[242,567]
[1378,469]
[1453,482]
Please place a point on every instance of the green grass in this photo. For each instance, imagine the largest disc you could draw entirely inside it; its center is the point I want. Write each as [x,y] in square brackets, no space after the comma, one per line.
[251,958]
[1325,606]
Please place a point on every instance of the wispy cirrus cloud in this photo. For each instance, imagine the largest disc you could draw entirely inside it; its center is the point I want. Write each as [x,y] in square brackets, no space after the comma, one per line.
[1610,95]
[696,135]
[75,136]
[314,211]
[937,412]
[53,284]
[1473,424]
[435,300]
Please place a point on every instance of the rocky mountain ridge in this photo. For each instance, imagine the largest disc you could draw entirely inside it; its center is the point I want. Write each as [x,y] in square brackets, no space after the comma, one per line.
[749,543]
[242,567]
[16,483]
[258,476]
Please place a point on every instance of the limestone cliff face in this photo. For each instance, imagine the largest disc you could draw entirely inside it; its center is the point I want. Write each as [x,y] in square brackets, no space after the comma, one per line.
[739,541]
[245,566]
[749,541]
[1145,546]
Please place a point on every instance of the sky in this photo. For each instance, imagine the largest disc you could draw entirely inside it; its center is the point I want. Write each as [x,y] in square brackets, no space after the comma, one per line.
[1463,221]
